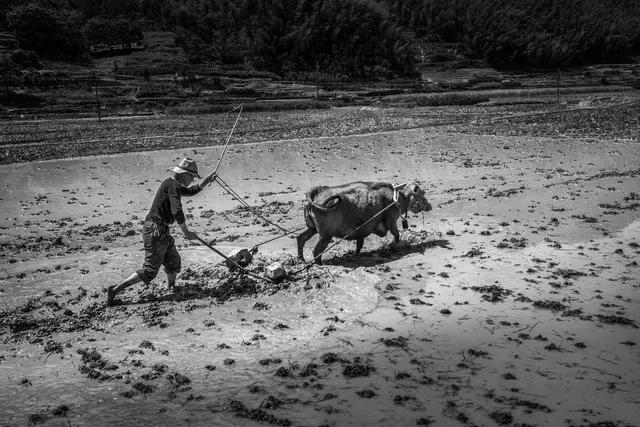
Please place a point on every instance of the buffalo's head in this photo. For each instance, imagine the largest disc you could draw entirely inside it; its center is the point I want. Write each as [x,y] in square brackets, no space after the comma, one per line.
[417,200]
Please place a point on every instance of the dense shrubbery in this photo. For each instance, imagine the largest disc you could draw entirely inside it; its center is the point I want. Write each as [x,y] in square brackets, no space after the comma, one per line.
[352,38]
[114,31]
[528,32]
[48,32]
[25,58]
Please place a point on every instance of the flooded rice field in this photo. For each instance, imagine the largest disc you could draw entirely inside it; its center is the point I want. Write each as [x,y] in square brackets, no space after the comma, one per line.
[514,301]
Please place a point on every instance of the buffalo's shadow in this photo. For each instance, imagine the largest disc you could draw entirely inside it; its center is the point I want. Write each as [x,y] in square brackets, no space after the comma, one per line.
[385,254]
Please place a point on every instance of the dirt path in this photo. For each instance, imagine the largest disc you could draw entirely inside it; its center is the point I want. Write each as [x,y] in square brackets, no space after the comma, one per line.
[514,301]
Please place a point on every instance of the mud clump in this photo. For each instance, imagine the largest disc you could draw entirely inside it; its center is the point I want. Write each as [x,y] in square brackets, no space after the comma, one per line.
[492,293]
[176,379]
[21,324]
[281,326]
[552,347]
[147,344]
[154,316]
[271,402]
[93,363]
[549,305]
[240,410]
[357,370]
[366,394]
[156,371]
[477,353]
[501,418]
[37,419]
[53,347]
[474,252]
[143,388]
[567,273]
[309,370]
[330,358]
[616,320]
[395,342]
[60,411]
[512,243]
[283,372]
[267,362]
[529,405]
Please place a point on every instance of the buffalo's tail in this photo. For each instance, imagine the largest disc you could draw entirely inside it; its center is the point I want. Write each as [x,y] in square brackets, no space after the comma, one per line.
[328,205]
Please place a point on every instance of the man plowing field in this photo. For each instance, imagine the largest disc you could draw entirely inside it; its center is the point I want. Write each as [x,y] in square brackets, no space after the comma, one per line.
[159,245]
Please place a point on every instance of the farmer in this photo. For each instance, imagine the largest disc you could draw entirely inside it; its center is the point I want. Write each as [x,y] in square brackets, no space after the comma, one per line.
[159,246]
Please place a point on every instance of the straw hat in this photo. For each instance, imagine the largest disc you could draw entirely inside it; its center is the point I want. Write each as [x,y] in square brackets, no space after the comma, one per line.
[187,165]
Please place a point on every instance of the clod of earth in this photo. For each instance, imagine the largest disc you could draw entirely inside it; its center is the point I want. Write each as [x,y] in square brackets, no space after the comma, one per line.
[492,293]
[147,344]
[239,410]
[617,320]
[330,358]
[309,370]
[367,394]
[473,253]
[283,372]
[143,388]
[176,379]
[356,370]
[60,411]
[53,347]
[477,353]
[552,347]
[395,342]
[271,402]
[567,273]
[501,418]
[267,362]
[93,363]
[549,305]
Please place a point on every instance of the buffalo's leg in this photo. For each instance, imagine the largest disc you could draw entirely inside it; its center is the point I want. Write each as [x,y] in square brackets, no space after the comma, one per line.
[393,228]
[320,247]
[359,244]
[302,239]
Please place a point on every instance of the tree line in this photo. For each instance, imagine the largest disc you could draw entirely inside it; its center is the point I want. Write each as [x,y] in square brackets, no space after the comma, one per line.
[359,39]
[529,33]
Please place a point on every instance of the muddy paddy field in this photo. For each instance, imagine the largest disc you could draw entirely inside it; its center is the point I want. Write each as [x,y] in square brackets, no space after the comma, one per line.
[513,302]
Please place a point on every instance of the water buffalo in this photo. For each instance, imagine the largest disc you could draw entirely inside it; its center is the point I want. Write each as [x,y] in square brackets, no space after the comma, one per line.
[338,211]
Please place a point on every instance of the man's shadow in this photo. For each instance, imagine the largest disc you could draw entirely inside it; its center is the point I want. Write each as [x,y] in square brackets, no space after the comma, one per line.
[219,289]
[385,254]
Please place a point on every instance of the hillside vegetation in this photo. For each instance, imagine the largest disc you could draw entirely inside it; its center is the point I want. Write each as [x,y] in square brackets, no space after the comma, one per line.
[355,39]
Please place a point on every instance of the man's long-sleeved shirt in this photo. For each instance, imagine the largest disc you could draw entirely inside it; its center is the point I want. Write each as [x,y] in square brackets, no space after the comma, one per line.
[166,206]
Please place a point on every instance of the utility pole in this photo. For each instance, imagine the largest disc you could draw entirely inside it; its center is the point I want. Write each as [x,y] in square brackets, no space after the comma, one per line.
[317,78]
[95,81]
[558,87]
